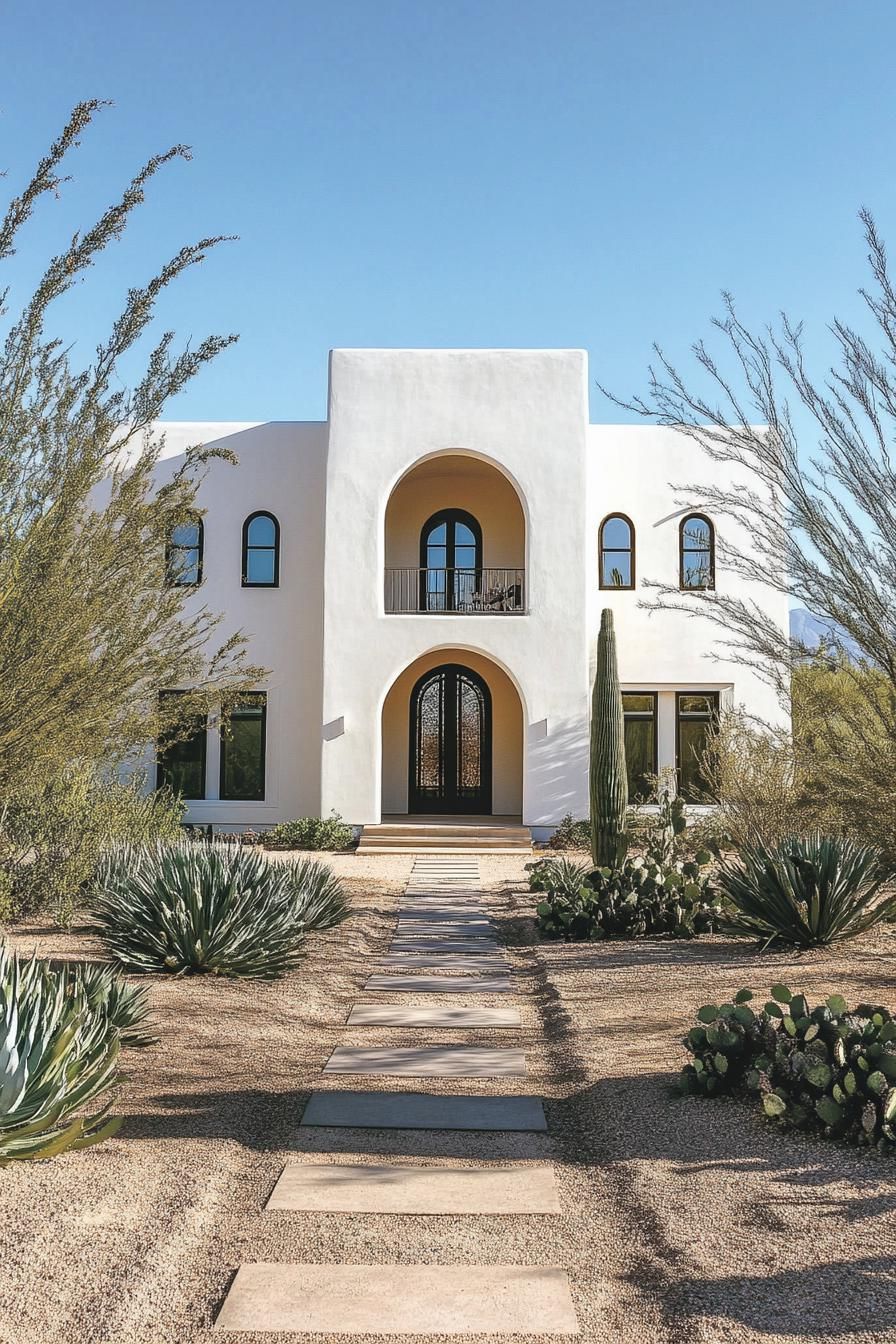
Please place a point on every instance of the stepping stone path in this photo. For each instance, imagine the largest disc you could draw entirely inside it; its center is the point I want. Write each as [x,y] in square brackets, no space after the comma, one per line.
[444,943]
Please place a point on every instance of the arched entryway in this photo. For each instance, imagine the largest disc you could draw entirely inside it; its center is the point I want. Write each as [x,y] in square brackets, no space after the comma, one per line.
[452,738]
[450,742]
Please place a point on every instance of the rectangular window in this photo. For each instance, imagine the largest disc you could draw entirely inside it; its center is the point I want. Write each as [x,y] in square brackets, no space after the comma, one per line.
[696,716]
[639,708]
[180,762]
[243,750]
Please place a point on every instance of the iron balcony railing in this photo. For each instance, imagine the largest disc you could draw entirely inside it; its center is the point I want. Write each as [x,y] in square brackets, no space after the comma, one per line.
[462,592]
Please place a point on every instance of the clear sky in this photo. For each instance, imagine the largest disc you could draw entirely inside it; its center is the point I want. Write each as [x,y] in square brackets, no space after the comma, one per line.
[461,172]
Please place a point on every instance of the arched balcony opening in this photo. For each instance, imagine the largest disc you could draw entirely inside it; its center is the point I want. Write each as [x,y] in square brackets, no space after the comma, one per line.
[455,541]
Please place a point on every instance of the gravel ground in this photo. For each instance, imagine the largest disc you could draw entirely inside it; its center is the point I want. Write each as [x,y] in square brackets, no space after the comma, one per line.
[683,1220]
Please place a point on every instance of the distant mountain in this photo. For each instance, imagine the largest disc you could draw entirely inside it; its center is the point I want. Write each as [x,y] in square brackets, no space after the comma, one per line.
[812,631]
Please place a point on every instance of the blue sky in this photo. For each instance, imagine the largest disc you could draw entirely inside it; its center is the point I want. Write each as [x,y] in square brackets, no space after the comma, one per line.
[461,172]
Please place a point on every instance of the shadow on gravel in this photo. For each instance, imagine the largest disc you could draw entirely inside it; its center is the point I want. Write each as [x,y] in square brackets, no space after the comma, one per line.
[251,1117]
[612,1119]
[833,1299]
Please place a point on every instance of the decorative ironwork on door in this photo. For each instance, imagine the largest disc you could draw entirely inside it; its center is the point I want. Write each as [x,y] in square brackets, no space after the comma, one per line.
[450,742]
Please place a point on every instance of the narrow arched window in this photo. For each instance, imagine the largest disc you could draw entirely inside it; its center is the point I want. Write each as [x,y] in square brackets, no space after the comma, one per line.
[183,554]
[617,552]
[697,549]
[261,551]
[450,561]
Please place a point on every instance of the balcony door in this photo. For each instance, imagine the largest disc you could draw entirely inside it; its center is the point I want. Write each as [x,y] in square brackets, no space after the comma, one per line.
[450,743]
[450,561]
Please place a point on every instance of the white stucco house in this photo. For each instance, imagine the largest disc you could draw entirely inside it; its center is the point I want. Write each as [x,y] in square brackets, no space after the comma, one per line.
[423,575]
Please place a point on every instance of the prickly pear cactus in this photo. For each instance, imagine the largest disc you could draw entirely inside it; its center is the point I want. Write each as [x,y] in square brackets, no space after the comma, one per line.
[826,1068]
[608,782]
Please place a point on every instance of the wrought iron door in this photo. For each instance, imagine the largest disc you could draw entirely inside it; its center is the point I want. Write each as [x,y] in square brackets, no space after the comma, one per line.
[451,743]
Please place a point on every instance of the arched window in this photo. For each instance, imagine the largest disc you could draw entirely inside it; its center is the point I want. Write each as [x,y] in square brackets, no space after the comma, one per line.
[450,561]
[617,552]
[183,554]
[261,551]
[697,549]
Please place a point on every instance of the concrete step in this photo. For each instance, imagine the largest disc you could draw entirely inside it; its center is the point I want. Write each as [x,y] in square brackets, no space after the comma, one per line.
[517,832]
[409,849]
[441,837]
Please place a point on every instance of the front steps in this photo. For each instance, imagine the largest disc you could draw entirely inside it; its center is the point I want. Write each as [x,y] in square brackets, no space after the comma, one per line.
[445,837]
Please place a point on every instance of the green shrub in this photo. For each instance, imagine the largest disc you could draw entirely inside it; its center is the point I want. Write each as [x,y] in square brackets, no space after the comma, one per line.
[195,907]
[320,896]
[659,893]
[636,900]
[572,834]
[310,833]
[54,830]
[827,1068]
[805,891]
[58,1053]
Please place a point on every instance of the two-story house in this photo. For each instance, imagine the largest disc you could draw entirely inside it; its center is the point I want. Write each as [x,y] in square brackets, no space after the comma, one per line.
[423,574]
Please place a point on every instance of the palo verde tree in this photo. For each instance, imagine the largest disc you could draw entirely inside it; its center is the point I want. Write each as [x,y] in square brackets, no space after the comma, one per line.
[89,631]
[812,491]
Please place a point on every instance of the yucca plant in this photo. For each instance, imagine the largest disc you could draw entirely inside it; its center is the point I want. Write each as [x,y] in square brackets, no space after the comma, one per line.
[321,901]
[57,1055]
[805,891]
[190,908]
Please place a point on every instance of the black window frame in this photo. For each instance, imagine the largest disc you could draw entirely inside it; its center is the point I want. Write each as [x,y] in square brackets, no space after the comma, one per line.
[639,716]
[453,594]
[629,550]
[712,718]
[202,735]
[247,547]
[683,550]
[258,697]
[199,548]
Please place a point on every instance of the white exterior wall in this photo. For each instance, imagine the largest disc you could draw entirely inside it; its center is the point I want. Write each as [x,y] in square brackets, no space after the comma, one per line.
[639,470]
[281,470]
[333,651]
[526,412]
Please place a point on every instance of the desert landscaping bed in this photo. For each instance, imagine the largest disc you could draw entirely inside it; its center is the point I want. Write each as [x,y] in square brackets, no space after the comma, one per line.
[682,1219]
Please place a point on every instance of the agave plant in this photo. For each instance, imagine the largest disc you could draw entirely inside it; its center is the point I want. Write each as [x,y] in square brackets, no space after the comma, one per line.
[559,875]
[805,891]
[124,1005]
[191,907]
[320,896]
[57,1055]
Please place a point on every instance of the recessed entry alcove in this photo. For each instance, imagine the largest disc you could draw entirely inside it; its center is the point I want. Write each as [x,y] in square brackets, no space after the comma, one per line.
[452,739]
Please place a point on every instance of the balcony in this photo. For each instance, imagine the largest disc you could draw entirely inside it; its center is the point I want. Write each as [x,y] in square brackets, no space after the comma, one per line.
[455,592]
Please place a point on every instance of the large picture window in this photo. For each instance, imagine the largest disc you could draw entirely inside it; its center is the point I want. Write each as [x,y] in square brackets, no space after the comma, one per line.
[261,551]
[180,760]
[696,716]
[639,709]
[697,541]
[243,750]
[617,552]
[183,555]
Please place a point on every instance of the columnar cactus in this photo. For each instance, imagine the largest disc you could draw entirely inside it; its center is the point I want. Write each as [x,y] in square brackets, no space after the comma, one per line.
[609,781]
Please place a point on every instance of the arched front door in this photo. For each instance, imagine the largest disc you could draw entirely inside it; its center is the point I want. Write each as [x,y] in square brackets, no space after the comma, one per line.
[450,561]
[450,742]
